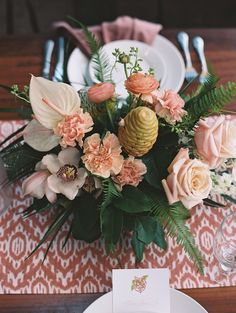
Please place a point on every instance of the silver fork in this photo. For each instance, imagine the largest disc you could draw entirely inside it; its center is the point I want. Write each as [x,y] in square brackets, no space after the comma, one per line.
[198,45]
[190,72]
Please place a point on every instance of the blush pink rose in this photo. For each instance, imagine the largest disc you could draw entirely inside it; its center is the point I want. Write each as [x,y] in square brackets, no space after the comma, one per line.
[188,181]
[168,105]
[102,157]
[215,139]
[131,173]
[99,93]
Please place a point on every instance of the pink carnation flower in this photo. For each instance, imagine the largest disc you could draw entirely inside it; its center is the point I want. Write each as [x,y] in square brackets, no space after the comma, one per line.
[131,173]
[102,158]
[168,105]
[73,128]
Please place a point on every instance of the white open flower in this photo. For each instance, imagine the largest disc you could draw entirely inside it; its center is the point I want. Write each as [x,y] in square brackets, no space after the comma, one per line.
[58,116]
[51,101]
[66,177]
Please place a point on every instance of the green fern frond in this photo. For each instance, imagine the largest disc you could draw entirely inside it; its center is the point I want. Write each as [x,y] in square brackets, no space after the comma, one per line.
[92,41]
[99,58]
[209,84]
[173,219]
[210,100]
[101,66]
[109,193]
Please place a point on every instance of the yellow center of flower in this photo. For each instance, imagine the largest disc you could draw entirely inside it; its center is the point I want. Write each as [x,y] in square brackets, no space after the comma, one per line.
[67,173]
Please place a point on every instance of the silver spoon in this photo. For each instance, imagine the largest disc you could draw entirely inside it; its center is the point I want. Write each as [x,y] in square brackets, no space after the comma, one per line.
[183,40]
[198,44]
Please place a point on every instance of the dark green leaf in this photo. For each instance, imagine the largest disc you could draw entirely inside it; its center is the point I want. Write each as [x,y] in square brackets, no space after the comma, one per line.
[133,201]
[129,222]
[152,176]
[145,227]
[138,247]
[159,237]
[214,204]
[112,224]
[85,224]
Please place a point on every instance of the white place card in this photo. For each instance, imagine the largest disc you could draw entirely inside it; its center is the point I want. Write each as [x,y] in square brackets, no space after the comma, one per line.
[141,291]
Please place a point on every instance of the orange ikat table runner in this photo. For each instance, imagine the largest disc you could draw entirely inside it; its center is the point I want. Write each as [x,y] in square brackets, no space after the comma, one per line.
[81,267]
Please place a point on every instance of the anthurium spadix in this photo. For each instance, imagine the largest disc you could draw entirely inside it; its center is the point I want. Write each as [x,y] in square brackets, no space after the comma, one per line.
[56,107]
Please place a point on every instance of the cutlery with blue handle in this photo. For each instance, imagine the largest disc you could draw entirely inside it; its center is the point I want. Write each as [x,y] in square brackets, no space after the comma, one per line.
[198,45]
[190,72]
[48,48]
[59,69]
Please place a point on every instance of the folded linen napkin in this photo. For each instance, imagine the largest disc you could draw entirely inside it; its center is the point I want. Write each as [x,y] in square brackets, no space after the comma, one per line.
[123,27]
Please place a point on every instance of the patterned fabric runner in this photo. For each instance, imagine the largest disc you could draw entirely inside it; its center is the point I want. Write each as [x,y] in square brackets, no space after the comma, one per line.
[82,268]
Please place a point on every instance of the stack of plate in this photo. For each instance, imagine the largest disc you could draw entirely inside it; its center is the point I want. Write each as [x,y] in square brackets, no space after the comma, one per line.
[162,56]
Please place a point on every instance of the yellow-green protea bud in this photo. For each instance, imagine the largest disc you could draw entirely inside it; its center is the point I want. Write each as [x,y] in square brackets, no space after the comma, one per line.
[139,131]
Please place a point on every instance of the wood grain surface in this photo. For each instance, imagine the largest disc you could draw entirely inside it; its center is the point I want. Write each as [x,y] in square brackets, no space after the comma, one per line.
[214,300]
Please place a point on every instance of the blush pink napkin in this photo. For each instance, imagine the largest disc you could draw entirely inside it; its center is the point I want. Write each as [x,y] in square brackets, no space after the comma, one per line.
[123,27]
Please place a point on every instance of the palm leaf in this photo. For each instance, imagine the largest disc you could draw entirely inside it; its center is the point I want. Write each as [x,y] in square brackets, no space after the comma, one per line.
[53,230]
[173,219]
[17,132]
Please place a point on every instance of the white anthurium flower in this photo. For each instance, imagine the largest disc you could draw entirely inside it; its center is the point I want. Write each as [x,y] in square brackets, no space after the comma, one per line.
[51,101]
[66,177]
[56,108]
[39,137]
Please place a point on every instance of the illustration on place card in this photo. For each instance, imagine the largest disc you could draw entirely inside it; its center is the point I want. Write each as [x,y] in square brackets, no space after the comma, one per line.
[139,283]
[141,291]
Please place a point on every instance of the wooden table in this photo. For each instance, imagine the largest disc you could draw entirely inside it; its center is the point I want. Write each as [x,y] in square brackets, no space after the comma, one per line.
[21,56]
[214,300]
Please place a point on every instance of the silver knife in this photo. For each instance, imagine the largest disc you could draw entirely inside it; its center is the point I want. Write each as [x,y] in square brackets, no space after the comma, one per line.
[59,69]
[48,48]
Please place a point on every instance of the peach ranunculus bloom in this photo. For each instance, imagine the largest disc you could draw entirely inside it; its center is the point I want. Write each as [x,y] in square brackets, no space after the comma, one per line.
[215,139]
[102,157]
[101,92]
[131,173]
[168,105]
[189,180]
[141,84]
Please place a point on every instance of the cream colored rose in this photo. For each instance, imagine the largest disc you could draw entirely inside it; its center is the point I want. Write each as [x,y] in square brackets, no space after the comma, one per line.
[215,139]
[188,181]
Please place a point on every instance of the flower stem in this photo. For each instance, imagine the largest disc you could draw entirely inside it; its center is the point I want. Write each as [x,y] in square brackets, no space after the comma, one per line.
[110,116]
[126,72]
[228,111]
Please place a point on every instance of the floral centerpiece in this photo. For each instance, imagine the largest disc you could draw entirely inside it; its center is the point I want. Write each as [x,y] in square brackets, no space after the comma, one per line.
[137,165]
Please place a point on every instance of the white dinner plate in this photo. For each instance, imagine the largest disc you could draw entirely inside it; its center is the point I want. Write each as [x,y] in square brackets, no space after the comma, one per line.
[180,303]
[151,58]
[163,56]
